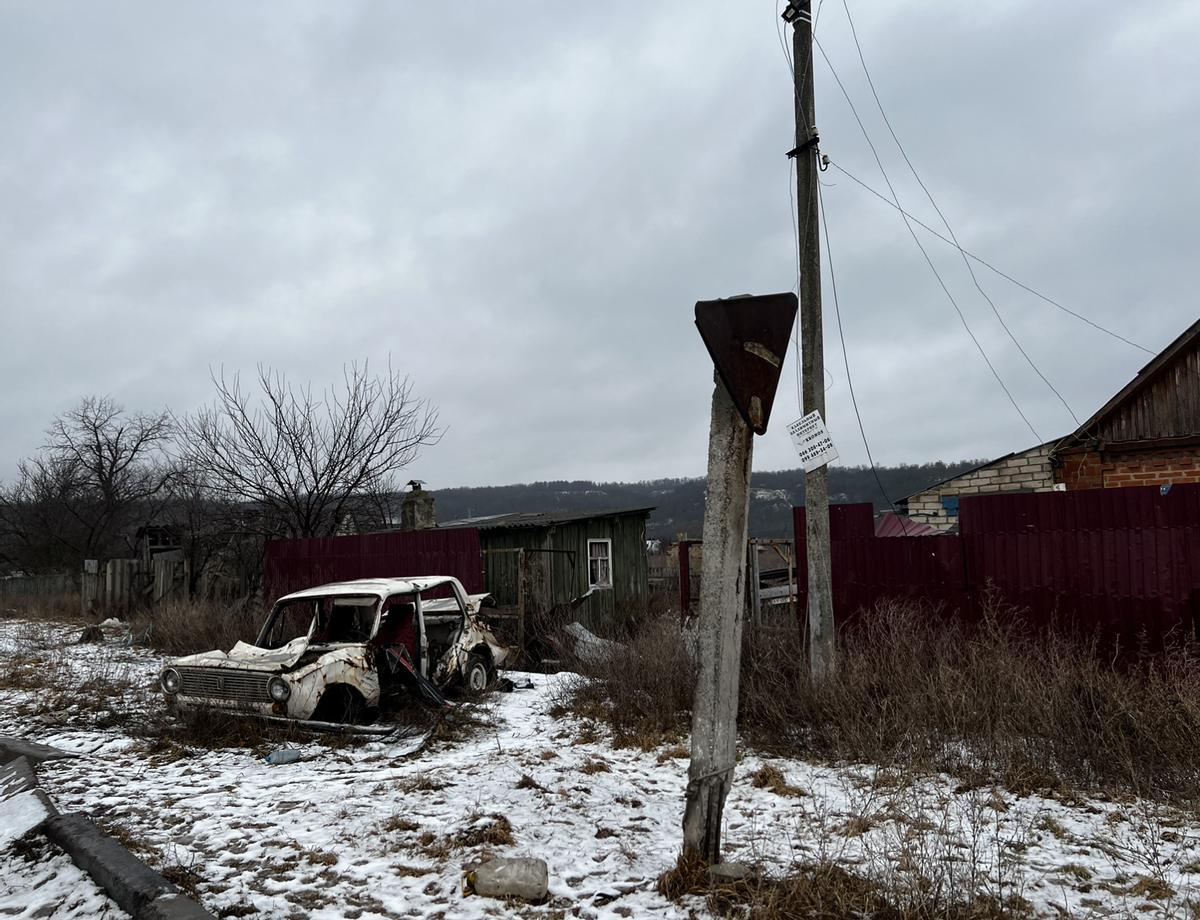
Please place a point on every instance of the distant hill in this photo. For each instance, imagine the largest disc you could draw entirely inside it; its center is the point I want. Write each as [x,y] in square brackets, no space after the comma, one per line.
[679,503]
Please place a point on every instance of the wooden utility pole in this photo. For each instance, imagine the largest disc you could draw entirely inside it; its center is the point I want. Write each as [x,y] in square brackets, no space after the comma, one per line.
[821,646]
[747,338]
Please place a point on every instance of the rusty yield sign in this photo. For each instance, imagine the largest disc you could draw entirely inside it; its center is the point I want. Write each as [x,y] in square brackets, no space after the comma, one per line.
[747,337]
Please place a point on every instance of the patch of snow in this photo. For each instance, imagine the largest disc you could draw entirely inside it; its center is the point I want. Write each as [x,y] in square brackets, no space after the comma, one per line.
[19,814]
[384,830]
[46,884]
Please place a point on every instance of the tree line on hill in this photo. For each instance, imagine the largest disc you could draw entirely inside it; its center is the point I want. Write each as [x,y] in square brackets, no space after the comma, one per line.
[679,503]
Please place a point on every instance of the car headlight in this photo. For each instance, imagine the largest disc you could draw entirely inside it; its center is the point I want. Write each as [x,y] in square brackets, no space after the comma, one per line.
[279,689]
[171,680]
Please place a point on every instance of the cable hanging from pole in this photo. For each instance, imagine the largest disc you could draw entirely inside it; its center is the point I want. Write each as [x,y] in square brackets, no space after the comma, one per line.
[933,268]
[970,269]
[985,263]
[837,310]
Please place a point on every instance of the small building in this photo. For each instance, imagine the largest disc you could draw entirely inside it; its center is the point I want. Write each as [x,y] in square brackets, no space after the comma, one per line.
[1029,470]
[556,557]
[1147,434]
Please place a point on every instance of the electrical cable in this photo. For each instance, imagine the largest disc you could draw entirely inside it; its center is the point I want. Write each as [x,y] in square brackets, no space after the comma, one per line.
[962,317]
[837,310]
[988,265]
[967,262]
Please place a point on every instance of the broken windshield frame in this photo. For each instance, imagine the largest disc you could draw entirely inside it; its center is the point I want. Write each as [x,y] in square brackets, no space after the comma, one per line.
[323,620]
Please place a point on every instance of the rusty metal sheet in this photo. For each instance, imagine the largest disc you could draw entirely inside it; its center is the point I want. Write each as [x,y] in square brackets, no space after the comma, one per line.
[747,338]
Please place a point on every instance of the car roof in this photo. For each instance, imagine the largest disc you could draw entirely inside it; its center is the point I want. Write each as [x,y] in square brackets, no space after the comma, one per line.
[380,587]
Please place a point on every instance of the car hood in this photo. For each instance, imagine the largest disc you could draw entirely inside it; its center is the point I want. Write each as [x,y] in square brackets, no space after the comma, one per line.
[249,657]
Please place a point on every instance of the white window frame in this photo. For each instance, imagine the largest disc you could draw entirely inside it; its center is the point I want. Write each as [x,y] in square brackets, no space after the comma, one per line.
[607,557]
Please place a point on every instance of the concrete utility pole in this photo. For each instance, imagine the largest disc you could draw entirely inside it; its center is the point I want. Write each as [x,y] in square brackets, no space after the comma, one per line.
[821,643]
[746,337]
[719,633]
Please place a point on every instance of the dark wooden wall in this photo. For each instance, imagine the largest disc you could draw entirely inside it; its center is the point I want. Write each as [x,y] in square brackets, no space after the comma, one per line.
[1168,406]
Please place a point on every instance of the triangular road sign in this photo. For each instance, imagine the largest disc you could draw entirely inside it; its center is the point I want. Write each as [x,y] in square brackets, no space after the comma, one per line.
[747,338]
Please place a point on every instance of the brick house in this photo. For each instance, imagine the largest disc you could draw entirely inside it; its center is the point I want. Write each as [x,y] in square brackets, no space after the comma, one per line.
[1024,471]
[1147,434]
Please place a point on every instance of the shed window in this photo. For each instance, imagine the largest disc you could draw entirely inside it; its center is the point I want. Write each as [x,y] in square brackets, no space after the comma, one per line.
[600,563]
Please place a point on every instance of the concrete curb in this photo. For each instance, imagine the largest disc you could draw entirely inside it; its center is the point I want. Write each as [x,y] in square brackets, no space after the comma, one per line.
[137,889]
[11,748]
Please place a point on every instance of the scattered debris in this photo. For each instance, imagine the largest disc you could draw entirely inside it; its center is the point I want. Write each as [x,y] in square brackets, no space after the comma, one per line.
[519,877]
[283,755]
[588,647]
[727,872]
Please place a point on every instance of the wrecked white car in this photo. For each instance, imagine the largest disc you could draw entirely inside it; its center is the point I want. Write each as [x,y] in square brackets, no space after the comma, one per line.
[333,653]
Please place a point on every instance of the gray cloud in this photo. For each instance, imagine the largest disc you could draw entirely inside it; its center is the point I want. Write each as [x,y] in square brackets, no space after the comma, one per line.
[520,210]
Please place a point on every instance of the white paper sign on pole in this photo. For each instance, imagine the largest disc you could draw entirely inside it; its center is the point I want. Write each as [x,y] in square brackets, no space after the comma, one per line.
[812,441]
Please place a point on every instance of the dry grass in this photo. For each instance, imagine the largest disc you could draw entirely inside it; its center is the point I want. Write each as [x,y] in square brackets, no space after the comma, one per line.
[826,890]
[175,628]
[643,694]
[995,700]
[675,752]
[187,627]
[484,830]
[771,777]
[58,608]
[528,782]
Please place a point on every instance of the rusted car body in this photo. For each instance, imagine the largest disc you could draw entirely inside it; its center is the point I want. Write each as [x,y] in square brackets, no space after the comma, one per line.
[335,652]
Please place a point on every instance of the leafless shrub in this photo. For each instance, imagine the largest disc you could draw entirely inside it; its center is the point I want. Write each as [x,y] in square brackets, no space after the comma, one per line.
[994,700]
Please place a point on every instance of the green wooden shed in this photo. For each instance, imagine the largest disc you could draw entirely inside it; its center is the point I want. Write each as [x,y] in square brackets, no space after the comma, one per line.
[568,554]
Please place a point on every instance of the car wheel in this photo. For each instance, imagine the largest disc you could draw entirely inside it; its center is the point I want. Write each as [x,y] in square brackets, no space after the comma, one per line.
[478,674]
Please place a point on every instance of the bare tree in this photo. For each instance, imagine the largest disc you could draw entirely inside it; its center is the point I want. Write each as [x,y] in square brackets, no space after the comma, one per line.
[303,461]
[100,473]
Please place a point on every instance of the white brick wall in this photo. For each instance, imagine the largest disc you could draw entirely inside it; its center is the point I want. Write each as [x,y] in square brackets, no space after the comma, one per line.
[1028,471]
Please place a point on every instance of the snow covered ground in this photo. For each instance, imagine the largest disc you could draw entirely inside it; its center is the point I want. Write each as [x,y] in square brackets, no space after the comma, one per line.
[373,830]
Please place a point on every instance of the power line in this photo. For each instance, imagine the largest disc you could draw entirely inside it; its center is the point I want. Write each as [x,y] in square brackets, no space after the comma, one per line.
[988,265]
[837,309]
[887,121]
[933,268]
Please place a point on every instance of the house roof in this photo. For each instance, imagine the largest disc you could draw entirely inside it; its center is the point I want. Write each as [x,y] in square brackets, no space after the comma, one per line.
[529,519]
[890,524]
[978,467]
[1161,360]
[1144,376]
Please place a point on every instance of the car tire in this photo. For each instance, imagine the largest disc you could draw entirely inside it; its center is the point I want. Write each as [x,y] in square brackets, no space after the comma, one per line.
[477,675]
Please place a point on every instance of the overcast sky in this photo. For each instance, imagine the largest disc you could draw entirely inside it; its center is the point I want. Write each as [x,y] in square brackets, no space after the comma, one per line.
[520,203]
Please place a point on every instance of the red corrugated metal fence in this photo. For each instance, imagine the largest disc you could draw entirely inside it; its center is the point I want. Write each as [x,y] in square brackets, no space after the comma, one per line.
[1116,562]
[295,564]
